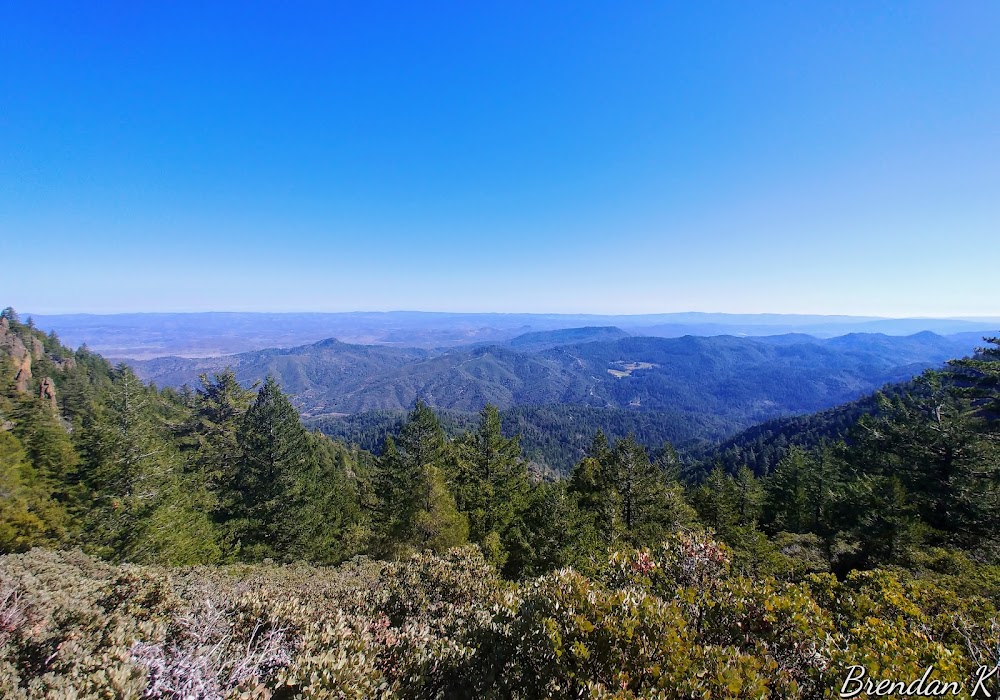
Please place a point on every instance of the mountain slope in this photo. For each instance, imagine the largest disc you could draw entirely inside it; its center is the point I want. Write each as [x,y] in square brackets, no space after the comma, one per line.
[553,437]
[546,340]
[739,380]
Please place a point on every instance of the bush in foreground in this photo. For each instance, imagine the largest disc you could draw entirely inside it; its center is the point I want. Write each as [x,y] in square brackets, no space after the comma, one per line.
[677,621]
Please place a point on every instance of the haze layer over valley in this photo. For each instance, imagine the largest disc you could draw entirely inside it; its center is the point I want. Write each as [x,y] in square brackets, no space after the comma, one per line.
[149,335]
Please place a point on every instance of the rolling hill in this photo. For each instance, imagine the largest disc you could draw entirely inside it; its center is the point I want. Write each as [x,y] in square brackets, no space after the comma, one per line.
[740,381]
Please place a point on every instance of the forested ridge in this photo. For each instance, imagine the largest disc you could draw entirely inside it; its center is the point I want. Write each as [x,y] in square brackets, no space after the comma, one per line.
[553,437]
[737,381]
[442,567]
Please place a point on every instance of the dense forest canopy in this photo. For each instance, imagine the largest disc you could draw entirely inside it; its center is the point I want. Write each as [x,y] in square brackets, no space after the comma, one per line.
[867,533]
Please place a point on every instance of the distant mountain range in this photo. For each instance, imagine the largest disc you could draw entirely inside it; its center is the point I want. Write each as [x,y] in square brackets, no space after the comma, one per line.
[144,336]
[738,381]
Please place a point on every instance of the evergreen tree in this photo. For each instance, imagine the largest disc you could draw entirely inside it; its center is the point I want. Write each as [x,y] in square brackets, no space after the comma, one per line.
[144,509]
[416,507]
[979,377]
[599,448]
[393,507]
[887,527]
[493,485]
[210,436]
[556,534]
[749,496]
[624,495]
[934,443]
[649,506]
[592,491]
[422,440]
[788,496]
[28,517]
[47,445]
[437,524]
[267,495]
[717,501]
[332,524]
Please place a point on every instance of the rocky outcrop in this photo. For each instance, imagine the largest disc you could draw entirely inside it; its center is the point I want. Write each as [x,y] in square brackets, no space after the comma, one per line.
[11,343]
[22,379]
[47,392]
[23,352]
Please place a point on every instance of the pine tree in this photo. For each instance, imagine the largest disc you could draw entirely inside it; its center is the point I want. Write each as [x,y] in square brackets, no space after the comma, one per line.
[421,439]
[599,448]
[437,524]
[979,377]
[46,443]
[788,499]
[267,493]
[28,516]
[493,485]
[592,490]
[417,507]
[333,528]
[935,443]
[717,502]
[210,436]
[556,534]
[621,495]
[649,506]
[394,506]
[144,510]
[749,496]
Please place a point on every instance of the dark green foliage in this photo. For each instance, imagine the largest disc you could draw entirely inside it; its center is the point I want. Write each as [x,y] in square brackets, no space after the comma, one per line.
[935,445]
[624,497]
[979,378]
[553,437]
[211,432]
[144,508]
[333,524]
[492,486]
[414,486]
[268,491]
[47,446]
[29,517]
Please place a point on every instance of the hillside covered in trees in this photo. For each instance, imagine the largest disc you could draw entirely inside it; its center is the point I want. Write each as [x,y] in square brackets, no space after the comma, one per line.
[706,388]
[442,567]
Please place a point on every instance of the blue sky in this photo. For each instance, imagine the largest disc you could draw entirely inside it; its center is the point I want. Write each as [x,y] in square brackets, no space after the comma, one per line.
[799,157]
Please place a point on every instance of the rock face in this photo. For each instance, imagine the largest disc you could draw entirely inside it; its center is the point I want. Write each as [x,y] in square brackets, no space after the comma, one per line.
[11,343]
[23,354]
[14,346]
[23,377]
[47,392]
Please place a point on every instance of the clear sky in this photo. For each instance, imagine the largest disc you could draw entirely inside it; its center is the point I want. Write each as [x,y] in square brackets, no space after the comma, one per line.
[807,157]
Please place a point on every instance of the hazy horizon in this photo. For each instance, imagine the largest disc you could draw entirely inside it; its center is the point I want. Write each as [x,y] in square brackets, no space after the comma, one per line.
[581,314]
